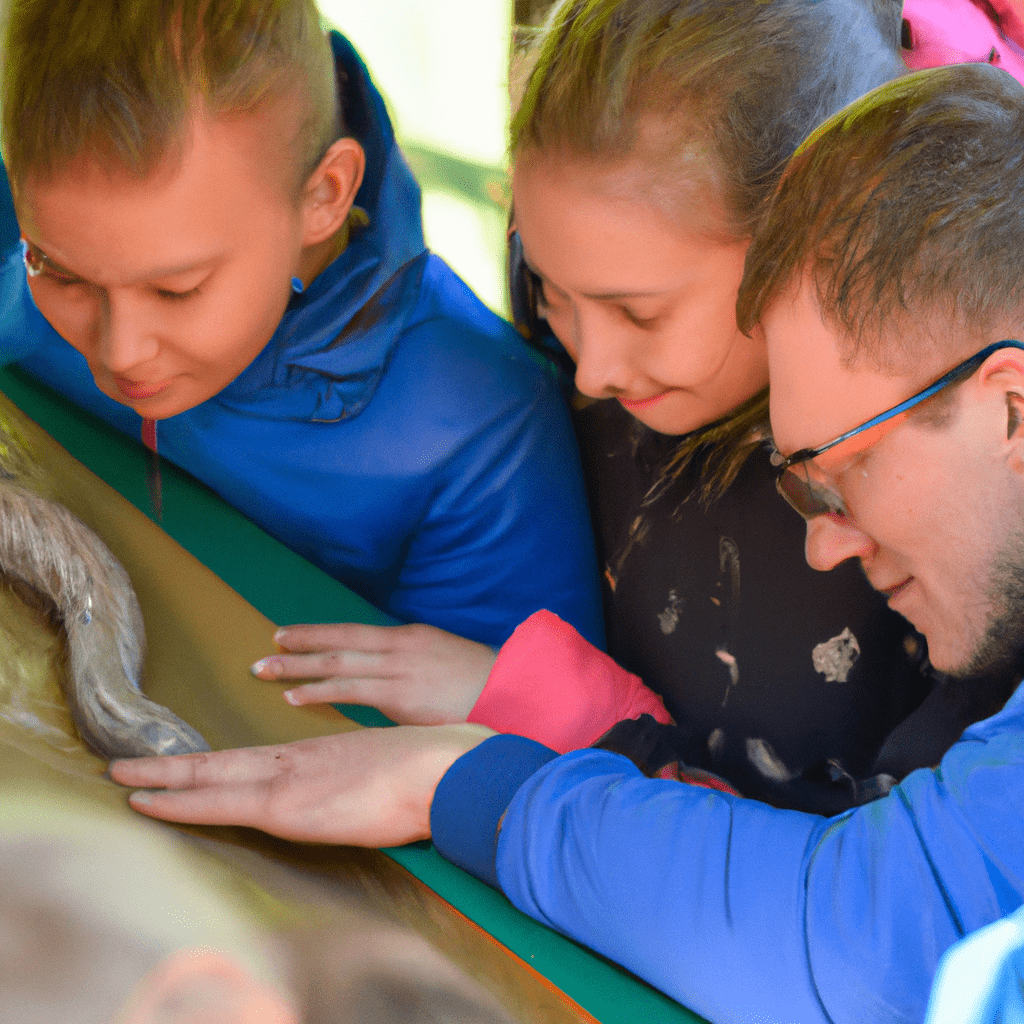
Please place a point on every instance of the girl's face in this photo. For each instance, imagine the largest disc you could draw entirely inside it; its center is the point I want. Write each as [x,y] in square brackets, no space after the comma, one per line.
[643,302]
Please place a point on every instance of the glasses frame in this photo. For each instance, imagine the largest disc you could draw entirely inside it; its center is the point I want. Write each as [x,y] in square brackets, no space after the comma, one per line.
[958,374]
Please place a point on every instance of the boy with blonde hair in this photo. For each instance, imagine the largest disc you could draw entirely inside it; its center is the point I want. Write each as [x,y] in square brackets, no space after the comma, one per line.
[222,252]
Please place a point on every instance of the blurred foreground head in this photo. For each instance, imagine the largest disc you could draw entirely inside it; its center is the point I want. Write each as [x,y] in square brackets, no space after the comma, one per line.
[103,921]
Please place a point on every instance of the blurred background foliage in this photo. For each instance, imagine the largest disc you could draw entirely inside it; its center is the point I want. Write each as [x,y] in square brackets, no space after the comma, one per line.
[442,65]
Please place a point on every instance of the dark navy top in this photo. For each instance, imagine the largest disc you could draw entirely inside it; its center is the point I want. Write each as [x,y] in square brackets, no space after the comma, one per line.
[801,688]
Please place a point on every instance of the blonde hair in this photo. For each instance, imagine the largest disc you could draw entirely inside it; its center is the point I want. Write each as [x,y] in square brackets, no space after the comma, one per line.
[743,80]
[119,78]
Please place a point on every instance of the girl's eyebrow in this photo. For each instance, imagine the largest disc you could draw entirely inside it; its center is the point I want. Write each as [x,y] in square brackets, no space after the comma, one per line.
[619,296]
[596,296]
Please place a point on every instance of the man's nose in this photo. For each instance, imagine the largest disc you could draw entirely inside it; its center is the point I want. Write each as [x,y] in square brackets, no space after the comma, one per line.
[126,336]
[605,356]
[831,540]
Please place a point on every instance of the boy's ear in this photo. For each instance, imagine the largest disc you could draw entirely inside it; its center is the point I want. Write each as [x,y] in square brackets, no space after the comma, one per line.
[331,190]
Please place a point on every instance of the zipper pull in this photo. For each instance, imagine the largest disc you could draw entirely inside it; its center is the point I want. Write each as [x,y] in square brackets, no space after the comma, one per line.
[153,482]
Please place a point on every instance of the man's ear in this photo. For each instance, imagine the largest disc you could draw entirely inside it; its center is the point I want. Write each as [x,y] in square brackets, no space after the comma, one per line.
[1003,372]
[1014,415]
[331,190]
[204,984]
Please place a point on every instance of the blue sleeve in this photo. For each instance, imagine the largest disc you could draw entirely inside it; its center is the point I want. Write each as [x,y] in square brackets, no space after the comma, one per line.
[508,534]
[744,912]
[981,978]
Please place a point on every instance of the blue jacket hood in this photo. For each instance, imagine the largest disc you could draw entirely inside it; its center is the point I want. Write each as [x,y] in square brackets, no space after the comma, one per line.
[338,335]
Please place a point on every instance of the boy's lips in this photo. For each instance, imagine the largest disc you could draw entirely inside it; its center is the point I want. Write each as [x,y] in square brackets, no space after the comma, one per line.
[139,390]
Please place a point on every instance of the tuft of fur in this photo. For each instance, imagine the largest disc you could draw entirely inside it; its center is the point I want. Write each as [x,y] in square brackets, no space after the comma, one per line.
[64,566]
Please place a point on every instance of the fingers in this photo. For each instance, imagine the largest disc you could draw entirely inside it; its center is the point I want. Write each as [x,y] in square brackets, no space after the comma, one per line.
[190,771]
[242,804]
[415,674]
[321,665]
[352,636]
[336,691]
[371,787]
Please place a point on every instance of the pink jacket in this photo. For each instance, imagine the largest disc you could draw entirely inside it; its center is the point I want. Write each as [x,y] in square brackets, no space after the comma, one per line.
[962,32]
[551,686]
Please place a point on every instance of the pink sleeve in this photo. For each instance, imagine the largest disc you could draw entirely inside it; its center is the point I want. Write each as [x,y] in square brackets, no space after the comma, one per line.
[551,686]
[961,31]
[1011,19]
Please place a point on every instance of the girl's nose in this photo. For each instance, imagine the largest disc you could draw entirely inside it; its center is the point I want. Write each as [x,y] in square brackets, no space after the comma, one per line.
[606,359]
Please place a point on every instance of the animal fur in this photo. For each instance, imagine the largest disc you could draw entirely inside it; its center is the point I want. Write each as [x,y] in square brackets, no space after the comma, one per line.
[57,562]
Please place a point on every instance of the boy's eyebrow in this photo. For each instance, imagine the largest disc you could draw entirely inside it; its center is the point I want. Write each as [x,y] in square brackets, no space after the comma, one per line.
[183,268]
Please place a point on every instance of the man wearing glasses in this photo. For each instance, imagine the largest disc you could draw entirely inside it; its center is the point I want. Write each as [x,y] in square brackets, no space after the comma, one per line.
[888,282]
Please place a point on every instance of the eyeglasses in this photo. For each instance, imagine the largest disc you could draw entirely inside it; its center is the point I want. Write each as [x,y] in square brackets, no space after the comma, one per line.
[806,486]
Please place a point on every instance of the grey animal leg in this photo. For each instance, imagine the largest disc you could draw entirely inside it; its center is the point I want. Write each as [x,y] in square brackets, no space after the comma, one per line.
[44,547]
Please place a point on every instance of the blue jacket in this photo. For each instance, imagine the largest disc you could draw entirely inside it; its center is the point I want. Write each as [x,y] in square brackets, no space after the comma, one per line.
[738,910]
[981,978]
[393,431]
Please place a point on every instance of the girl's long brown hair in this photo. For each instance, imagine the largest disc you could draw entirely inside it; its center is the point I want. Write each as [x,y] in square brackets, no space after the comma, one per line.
[745,80]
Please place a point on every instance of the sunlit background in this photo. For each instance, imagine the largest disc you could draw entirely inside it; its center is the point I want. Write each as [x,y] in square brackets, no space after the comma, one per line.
[442,66]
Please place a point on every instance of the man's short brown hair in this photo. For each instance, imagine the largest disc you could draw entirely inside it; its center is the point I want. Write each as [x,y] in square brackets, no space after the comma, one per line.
[906,205]
[119,78]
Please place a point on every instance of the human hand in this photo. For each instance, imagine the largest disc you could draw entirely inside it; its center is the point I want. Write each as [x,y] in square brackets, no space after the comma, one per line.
[369,787]
[416,674]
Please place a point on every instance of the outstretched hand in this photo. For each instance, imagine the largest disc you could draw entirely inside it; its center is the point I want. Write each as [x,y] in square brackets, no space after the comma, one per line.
[369,787]
[416,674]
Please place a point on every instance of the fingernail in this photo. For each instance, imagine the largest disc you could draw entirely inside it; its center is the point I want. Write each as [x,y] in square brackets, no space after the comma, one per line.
[292,697]
[269,665]
[280,635]
[140,797]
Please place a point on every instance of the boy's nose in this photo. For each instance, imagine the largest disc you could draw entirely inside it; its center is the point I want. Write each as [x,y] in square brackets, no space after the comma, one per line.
[126,338]
[831,540]
[604,358]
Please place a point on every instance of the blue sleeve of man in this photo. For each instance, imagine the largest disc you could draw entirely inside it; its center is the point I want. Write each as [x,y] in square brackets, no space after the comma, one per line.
[981,978]
[738,910]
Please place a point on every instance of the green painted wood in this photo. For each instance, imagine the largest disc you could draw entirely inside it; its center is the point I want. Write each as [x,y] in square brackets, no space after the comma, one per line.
[286,588]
